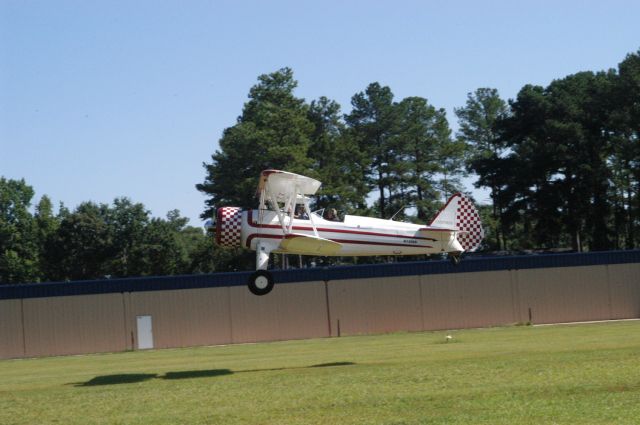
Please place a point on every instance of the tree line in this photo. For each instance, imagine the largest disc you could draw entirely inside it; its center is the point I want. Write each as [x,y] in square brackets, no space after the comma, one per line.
[403,150]
[96,241]
[561,164]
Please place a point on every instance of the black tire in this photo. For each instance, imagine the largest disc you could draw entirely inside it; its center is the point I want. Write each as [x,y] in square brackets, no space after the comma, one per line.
[260,282]
[455,259]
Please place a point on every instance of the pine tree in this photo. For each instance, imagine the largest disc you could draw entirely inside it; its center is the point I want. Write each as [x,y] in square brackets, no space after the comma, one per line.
[477,120]
[431,160]
[373,123]
[274,131]
[337,160]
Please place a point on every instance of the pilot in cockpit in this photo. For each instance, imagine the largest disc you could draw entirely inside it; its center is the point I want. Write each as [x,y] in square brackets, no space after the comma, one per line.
[300,213]
[331,214]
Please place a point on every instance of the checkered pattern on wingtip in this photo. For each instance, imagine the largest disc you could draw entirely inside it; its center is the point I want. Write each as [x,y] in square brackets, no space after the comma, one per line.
[468,221]
[230,226]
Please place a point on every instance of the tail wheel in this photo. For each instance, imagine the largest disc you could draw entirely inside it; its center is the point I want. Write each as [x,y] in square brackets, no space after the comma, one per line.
[260,282]
[455,259]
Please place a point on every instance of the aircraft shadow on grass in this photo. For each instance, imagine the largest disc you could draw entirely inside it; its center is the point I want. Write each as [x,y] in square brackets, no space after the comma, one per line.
[123,378]
[132,378]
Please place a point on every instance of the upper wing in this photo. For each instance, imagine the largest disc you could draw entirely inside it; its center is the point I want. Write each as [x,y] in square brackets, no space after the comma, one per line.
[297,243]
[280,183]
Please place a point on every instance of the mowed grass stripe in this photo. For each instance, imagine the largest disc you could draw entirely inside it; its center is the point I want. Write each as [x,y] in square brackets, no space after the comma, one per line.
[554,374]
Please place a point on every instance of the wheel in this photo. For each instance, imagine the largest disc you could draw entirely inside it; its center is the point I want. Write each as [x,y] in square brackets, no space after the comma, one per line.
[260,282]
[455,259]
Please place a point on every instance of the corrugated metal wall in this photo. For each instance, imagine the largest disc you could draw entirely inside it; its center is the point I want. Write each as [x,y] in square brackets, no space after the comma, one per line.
[11,329]
[384,304]
[230,314]
[468,301]
[73,325]
[294,312]
[182,318]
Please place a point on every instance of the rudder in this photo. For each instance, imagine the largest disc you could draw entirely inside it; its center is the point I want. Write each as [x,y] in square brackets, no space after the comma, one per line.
[460,213]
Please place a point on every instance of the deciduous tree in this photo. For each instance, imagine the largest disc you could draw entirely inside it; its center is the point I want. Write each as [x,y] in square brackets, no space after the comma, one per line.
[19,248]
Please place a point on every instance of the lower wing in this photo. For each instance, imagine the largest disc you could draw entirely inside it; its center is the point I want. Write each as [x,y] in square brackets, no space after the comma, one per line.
[296,243]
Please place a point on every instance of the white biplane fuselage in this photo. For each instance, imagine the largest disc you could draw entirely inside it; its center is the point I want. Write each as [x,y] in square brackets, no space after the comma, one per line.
[357,235]
[276,228]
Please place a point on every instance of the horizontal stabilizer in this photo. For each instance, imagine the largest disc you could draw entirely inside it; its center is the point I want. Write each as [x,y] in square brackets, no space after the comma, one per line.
[296,243]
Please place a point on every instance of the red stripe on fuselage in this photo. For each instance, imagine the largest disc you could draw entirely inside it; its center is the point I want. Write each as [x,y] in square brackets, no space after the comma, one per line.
[342,241]
[351,241]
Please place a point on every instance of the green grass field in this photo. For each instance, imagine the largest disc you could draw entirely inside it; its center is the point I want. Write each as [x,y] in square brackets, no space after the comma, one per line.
[570,374]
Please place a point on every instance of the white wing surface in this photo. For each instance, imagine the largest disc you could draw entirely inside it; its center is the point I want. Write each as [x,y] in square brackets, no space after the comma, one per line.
[282,183]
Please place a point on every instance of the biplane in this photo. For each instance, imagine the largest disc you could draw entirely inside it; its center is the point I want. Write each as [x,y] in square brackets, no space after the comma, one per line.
[284,223]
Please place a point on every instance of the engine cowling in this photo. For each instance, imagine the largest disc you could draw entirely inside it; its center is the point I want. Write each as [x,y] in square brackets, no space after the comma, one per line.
[229,227]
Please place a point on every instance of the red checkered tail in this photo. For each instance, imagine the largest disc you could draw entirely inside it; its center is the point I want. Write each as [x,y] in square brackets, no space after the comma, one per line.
[460,213]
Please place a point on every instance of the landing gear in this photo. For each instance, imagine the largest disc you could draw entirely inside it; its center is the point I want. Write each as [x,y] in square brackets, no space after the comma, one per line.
[455,259]
[260,282]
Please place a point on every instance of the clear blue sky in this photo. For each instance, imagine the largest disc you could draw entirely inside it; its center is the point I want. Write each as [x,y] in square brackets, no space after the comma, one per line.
[100,99]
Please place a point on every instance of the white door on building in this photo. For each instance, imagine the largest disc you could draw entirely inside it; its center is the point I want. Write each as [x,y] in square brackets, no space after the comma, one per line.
[145,332]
